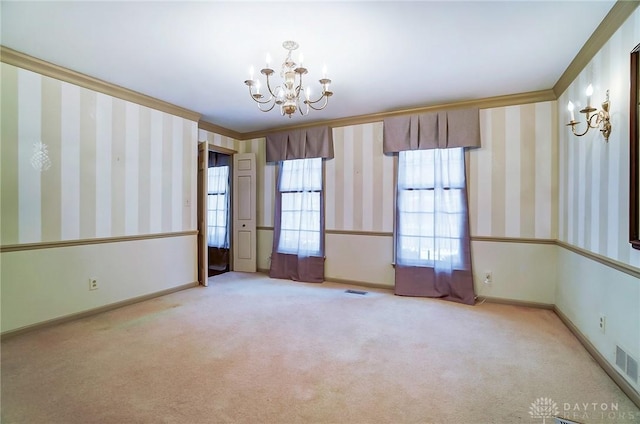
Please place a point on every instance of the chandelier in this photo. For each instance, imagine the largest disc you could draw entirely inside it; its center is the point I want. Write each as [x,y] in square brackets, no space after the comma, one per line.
[287,94]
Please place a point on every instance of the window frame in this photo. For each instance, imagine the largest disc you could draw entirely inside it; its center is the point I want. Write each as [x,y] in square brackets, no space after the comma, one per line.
[400,187]
[319,190]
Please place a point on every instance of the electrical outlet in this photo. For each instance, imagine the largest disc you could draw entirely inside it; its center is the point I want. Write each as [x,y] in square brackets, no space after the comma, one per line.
[488,277]
[603,323]
[93,284]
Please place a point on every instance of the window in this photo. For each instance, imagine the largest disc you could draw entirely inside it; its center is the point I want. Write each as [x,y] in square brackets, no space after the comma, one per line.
[218,206]
[300,189]
[430,206]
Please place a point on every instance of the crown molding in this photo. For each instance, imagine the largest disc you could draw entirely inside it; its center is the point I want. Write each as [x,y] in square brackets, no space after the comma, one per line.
[30,63]
[208,126]
[484,103]
[618,14]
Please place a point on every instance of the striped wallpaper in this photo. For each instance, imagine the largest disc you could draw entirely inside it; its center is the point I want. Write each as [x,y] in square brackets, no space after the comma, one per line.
[359,181]
[594,175]
[215,139]
[117,168]
[512,178]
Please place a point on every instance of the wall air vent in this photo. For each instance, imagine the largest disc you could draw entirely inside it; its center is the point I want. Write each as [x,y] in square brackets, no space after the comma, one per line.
[627,364]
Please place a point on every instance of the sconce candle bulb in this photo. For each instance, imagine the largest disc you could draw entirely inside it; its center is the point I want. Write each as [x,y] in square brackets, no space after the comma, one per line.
[599,119]
[570,108]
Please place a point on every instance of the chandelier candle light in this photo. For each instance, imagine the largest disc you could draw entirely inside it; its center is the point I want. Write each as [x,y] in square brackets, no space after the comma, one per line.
[599,119]
[287,95]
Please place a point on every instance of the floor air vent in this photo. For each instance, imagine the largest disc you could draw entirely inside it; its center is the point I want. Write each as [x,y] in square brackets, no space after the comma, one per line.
[356,292]
[627,364]
[560,420]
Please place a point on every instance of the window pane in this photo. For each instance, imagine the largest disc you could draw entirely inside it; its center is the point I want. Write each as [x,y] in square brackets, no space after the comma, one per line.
[300,190]
[453,164]
[301,174]
[218,179]
[430,206]
[217,199]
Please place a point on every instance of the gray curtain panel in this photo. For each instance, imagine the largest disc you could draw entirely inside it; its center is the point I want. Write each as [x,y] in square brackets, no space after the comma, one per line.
[437,130]
[456,286]
[309,269]
[306,143]
[434,130]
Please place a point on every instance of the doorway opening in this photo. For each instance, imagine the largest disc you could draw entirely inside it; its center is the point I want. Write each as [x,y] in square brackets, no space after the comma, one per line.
[218,213]
[215,172]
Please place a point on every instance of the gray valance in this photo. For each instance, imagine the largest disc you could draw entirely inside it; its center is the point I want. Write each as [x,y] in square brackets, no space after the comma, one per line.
[306,143]
[434,130]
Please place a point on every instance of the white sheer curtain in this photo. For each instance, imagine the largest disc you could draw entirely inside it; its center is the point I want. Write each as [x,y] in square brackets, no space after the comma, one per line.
[431,208]
[218,207]
[300,190]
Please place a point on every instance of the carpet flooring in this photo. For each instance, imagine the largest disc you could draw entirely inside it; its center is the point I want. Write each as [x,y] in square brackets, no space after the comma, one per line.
[249,349]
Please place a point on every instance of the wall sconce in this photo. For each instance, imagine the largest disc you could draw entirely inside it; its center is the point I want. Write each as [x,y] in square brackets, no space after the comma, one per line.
[598,119]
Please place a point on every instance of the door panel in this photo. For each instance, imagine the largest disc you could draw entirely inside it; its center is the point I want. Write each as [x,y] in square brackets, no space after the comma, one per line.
[244,207]
[245,247]
[245,164]
[244,197]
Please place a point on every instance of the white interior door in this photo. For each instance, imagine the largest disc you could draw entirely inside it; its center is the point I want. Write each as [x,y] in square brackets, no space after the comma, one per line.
[244,212]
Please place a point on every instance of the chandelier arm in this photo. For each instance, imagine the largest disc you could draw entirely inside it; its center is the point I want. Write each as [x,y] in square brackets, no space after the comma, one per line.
[263,102]
[311,104]
[299,87]
[323,96]
[257,99]
[269,87]
[305,112]
[266,110]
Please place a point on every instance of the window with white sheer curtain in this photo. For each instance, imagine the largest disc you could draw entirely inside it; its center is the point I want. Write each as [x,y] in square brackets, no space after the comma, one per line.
[218,207]
[300,189]
[430,205]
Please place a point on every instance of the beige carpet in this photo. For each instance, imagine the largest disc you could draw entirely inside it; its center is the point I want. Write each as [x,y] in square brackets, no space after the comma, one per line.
[249,349]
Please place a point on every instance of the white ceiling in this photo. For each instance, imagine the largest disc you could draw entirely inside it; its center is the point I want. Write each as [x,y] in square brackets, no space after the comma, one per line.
[381,56]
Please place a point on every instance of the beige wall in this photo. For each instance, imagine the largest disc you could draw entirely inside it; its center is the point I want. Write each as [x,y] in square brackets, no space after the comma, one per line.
[43,284]
[594,206]
[118,169]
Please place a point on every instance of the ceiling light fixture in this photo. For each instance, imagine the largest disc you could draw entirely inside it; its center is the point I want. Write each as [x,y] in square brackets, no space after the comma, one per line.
[287,95]
[599,119]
